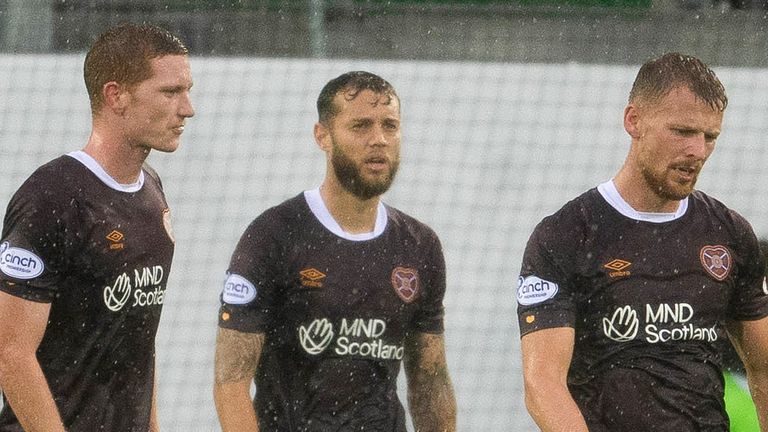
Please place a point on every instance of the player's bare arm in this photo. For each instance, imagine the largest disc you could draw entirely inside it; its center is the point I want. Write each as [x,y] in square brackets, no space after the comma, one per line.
[751,341]
[154,424]
[237,357]
[430,393]
[546,358]
[22,324]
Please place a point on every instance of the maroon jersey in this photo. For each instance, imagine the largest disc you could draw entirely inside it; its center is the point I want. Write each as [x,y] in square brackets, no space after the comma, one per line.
[336,309]
[99,253]
[648,300]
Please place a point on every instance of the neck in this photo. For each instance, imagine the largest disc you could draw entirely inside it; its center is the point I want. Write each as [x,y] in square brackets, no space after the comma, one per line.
[118,158]
[637,193]
[354,215]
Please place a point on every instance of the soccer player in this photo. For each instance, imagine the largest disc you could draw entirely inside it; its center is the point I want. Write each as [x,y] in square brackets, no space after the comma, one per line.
[327,292]
[625,291]
[86,249]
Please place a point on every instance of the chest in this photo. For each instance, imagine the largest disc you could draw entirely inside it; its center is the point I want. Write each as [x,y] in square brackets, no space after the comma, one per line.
[662,265]
[358,299]
[121,251]
[354,279]
[658,284]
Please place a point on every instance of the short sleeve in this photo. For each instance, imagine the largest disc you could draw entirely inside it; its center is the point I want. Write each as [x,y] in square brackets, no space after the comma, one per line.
[429,318]
[248,297]
[750,299]
[37,233]
[546,289]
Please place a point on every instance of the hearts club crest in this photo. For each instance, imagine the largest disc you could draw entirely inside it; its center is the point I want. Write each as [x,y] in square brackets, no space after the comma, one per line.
[405,281]
[716,261]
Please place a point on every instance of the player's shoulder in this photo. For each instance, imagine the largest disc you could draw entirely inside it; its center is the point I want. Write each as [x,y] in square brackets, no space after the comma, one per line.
[708,206]
[580,212]
[409,225]
[704,202]
[61,170]
[570,227]
[52,182]
[289,213]
[293,208]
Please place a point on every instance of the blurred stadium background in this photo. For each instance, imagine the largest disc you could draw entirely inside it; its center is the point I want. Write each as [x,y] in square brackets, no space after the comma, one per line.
[510,109]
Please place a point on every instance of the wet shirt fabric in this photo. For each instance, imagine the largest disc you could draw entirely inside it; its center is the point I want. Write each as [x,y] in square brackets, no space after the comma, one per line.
[99,253]
[335,309]
[648,302]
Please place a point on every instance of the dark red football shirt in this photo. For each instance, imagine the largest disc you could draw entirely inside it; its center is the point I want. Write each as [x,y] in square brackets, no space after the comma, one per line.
[336,312]
[100,254]
[648,301]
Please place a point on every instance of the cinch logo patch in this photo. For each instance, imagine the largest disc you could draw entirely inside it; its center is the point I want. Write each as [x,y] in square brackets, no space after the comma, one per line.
[238,290]
[312,278]
[716,261]
[19,263]
[618,268]
[532,290]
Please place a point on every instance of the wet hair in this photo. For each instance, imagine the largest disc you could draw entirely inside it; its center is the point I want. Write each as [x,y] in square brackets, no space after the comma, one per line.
[351,83]
[659,76]
[122,54]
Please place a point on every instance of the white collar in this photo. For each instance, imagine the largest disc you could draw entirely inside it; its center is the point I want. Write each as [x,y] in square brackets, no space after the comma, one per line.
[613,197]
[90,163]
[318,208]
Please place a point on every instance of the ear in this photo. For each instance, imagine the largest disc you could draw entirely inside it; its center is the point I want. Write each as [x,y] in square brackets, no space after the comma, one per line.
[116,97]
[631,120]
[323,137]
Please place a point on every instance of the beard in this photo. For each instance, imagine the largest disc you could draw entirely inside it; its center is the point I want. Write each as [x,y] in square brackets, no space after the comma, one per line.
[351,178]
[666,188]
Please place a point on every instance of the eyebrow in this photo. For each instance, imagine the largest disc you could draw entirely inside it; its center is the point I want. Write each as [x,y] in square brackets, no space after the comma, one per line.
[176,86]
[714,133]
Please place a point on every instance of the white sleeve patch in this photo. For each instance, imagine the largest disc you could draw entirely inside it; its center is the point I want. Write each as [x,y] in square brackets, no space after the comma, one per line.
[20,263]
[532,290]
[238,290]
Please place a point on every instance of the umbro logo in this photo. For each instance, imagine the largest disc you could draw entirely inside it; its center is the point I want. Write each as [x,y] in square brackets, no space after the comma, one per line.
[618,268]
[312,278]
[116,238]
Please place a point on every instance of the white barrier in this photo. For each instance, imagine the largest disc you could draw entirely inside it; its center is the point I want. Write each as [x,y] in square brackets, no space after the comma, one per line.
[488,150]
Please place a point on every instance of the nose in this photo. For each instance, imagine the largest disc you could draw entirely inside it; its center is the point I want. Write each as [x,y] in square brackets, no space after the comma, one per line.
[378,136]
[185,108]
[698,146]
